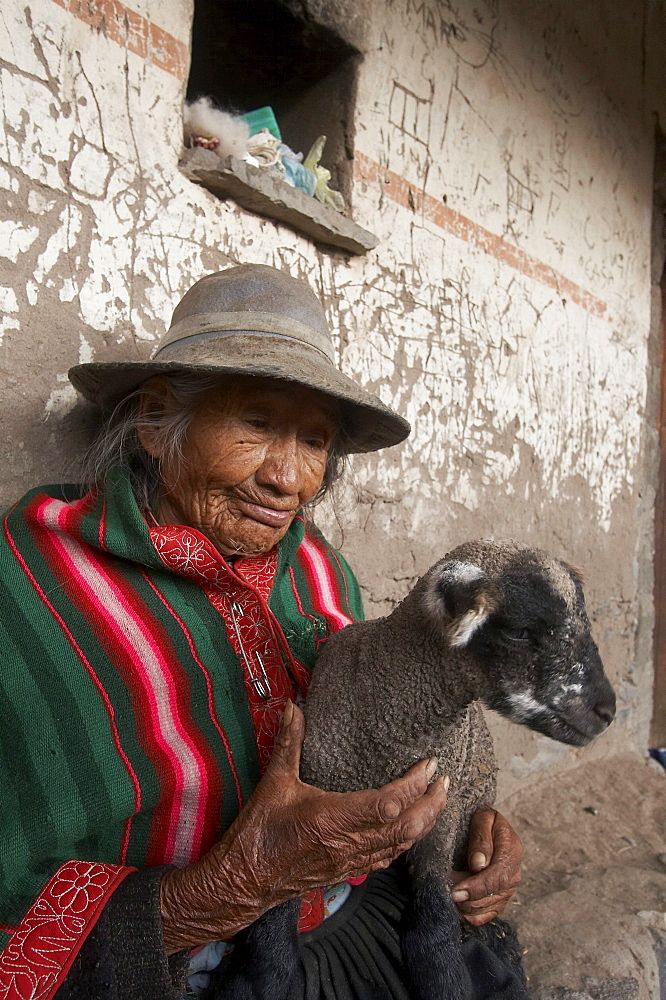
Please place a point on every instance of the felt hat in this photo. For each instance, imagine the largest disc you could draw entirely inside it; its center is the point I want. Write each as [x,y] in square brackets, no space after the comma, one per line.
[254,320]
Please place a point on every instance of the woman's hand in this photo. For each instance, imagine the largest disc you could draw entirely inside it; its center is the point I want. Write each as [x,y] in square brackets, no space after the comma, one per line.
[494,854]
[291,838]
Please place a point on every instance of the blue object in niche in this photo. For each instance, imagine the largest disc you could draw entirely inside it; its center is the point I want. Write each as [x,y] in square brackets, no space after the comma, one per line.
[295,173]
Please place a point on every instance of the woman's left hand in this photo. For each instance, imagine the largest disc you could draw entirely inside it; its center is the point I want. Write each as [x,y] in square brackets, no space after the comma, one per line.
[494,854]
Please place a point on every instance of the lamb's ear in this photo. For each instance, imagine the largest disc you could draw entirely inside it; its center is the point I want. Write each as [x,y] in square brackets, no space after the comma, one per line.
[464,596]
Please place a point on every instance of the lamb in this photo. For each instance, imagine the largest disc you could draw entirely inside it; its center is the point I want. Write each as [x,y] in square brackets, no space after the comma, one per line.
[492,622]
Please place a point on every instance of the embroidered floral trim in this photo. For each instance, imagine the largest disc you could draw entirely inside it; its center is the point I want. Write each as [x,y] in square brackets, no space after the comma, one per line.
[189,552]
[42,949]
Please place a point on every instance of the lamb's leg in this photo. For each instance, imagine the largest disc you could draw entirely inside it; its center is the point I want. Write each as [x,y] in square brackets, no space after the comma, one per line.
[263,961]
[438,966]
[430,930]
[430,937]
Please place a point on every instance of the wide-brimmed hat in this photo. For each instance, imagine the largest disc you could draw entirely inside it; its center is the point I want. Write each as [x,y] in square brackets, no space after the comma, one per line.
[254,320]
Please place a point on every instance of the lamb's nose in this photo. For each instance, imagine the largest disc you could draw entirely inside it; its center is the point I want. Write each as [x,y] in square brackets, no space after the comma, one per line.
[605,710]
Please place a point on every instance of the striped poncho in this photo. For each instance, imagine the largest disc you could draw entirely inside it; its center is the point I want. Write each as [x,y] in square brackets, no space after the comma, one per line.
[142,680]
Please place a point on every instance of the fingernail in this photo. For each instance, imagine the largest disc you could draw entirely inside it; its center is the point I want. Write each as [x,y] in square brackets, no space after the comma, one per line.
[447,782]
[288,713]
[431,767]
[460,896]
[478,860]
[391,810]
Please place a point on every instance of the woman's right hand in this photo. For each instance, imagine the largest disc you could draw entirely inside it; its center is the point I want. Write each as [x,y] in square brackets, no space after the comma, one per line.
[291,838]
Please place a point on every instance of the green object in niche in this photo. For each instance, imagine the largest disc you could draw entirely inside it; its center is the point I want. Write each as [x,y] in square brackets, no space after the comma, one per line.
[260,119]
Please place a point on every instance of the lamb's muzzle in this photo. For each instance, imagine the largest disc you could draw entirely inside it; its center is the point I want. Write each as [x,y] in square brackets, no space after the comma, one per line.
[574,707]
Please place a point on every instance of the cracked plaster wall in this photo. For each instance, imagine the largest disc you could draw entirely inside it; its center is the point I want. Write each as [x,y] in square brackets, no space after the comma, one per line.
[505,165]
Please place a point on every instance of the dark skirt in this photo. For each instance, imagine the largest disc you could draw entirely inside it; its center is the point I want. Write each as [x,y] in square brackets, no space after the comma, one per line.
[355,953]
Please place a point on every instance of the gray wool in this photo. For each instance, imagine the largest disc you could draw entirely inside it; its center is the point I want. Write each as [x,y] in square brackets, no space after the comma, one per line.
[388,693]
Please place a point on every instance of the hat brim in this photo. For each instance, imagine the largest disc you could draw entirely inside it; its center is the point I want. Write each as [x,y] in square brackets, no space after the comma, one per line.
[367,422]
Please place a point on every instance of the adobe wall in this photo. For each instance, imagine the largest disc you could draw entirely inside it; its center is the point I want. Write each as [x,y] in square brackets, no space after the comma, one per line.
[504,159]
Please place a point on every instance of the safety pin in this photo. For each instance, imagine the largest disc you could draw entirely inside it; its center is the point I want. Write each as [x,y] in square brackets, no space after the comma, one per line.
[261,683]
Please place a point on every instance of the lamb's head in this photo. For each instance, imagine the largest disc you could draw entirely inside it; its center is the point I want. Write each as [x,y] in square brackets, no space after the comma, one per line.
[521,614]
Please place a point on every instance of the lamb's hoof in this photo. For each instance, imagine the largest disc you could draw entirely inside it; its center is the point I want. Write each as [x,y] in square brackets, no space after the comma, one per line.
[502,940]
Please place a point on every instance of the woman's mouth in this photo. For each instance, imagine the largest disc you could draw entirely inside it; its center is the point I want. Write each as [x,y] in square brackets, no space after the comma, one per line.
[265,515]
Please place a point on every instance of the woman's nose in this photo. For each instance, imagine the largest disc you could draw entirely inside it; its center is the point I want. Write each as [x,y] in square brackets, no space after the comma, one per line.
[281,467]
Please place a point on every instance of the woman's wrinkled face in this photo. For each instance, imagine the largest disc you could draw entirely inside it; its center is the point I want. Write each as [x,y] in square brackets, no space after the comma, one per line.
[255,451]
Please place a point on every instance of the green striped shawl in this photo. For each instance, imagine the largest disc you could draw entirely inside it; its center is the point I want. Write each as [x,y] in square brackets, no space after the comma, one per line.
[124,718]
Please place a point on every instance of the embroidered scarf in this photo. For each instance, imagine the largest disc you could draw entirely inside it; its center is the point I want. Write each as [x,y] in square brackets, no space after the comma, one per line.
[141,687]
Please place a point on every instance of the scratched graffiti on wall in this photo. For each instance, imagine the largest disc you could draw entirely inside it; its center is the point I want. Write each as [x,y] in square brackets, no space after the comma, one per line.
[483,359]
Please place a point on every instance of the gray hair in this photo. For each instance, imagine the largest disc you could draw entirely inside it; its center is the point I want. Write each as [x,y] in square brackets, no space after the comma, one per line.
[118,442]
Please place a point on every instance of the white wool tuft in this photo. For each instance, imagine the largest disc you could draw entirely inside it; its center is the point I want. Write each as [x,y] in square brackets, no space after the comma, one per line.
[202,120]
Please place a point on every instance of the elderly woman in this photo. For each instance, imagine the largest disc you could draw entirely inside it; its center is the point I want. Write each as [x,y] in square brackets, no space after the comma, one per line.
[158,626]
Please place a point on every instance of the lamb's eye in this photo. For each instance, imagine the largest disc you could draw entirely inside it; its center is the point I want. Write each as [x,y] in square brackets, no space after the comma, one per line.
[520,635]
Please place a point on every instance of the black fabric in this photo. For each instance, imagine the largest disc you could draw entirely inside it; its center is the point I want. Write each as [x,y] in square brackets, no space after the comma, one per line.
[356,955]
[123,957]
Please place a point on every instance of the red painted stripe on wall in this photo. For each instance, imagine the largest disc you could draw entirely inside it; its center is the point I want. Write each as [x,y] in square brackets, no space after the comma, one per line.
[134,32]
[435,211]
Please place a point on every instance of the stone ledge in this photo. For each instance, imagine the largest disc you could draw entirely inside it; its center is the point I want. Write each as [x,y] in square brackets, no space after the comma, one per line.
[261,191]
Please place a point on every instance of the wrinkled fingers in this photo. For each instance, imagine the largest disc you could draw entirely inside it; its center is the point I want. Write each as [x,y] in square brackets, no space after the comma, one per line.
[479,918]
[410,825]
[388,841]
[419,819]
[388,802]
[480,911]
[378,859]
[494,881]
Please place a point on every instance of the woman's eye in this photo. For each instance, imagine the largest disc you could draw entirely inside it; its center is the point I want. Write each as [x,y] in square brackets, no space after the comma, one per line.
[257,422]
[318,440]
